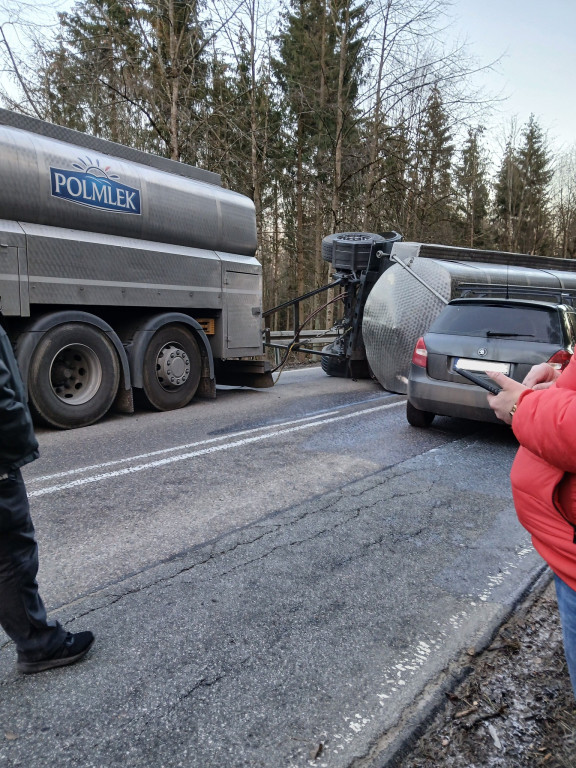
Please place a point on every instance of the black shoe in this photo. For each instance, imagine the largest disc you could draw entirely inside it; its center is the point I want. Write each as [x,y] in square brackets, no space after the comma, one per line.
[72,650]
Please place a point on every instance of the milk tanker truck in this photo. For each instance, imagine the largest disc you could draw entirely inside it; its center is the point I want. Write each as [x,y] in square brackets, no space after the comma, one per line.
[122,275]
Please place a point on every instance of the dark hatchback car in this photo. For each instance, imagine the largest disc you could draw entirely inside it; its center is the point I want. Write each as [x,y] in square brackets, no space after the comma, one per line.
[479,335]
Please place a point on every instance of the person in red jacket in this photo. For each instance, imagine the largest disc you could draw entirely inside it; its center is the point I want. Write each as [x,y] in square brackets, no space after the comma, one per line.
[542,413]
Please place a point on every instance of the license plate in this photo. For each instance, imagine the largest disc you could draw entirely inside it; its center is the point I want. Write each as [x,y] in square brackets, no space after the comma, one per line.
[481,365]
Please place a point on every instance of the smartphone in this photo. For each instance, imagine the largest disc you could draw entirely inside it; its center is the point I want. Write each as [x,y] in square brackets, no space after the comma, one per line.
[484,383]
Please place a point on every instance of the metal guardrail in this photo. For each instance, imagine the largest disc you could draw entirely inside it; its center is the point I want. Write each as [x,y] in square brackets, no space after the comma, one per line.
[311,337]
[307,338]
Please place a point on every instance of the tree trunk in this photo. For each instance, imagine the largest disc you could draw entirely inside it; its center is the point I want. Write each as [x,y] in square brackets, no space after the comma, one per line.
[339,138]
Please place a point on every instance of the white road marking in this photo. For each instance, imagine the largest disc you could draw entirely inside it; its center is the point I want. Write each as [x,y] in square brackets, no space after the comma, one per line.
[193,454]
[184,447]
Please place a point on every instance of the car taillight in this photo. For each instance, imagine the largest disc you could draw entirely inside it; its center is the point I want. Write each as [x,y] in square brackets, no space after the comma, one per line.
[420,354]
[560,359]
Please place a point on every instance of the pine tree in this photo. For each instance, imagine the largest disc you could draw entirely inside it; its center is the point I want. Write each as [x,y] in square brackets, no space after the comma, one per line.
[472,192]
[83,79]
[507,198]
[523,194]
[132,71]
[534,164]
[252,145]
[431,193]
[175,62]
[564,206]
[384,187]
[299,69]
[319,69]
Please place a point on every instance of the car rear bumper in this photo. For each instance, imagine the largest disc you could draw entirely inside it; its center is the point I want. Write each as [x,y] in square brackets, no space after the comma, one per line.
[447,398]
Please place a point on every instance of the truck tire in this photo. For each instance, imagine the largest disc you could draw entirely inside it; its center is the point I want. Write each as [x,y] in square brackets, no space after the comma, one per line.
[328,241]
[418,418]
[172,368]
[332,366]
[335,366]
[73,377]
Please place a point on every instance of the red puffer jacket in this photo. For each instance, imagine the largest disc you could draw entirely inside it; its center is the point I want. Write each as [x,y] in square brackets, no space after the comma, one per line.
[544,471]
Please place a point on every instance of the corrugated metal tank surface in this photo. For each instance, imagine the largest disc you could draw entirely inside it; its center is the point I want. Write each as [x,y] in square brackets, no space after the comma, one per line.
[399,308]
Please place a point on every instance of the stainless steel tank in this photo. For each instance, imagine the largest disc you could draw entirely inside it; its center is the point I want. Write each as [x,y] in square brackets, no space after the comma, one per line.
[52,175]
[403,304]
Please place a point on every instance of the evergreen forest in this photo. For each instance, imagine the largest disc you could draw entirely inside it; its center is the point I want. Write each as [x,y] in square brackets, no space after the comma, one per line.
[331,115]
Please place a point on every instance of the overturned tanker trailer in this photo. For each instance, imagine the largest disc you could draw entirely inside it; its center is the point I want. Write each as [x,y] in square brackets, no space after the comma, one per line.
[422,278]
[358,259]
[391,291]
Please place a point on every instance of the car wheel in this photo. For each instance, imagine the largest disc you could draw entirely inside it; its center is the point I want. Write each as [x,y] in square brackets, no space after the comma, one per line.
[418,418]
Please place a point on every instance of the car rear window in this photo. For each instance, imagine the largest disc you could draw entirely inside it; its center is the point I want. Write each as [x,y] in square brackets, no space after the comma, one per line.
[531,324]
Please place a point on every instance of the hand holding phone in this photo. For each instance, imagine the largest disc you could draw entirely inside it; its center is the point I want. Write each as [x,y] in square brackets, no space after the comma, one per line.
[481,382]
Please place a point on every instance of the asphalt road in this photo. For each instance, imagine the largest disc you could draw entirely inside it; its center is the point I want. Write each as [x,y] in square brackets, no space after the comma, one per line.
[283,577]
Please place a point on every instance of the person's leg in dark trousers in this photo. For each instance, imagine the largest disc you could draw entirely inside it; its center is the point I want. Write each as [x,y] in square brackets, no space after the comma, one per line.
[22,613]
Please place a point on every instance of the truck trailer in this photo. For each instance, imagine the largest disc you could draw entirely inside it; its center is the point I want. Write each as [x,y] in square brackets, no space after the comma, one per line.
[123,275]
[390,291]
[422,278]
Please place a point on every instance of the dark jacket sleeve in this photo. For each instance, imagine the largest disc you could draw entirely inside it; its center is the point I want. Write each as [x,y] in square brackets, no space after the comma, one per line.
[18,444]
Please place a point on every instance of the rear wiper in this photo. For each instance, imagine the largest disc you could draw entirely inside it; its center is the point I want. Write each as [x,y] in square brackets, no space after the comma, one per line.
[508,335]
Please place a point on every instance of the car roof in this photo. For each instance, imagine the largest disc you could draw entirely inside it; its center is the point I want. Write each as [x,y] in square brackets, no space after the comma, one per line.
[528,303]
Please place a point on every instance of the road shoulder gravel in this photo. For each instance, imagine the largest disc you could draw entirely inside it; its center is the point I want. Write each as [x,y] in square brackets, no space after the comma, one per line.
[515,707]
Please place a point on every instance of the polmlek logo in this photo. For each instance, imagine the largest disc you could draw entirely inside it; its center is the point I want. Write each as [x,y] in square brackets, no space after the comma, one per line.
[92,185]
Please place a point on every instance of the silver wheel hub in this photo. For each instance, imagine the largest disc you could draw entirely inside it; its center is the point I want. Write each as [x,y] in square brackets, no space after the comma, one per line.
[172,367]
[75,374]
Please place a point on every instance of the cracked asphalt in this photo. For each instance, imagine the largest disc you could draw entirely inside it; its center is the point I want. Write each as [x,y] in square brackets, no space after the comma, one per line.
[316,629]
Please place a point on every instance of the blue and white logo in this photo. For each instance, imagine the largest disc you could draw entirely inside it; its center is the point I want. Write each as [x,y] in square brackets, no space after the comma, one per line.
[95,187]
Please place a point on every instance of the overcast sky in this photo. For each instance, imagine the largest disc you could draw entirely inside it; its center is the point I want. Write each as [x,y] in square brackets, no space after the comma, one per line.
[538,67]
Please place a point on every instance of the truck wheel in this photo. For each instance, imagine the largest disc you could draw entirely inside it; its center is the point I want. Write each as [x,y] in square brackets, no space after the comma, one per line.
[172,368]
[335,366]
[73,377]
[328,241]
[418,418]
